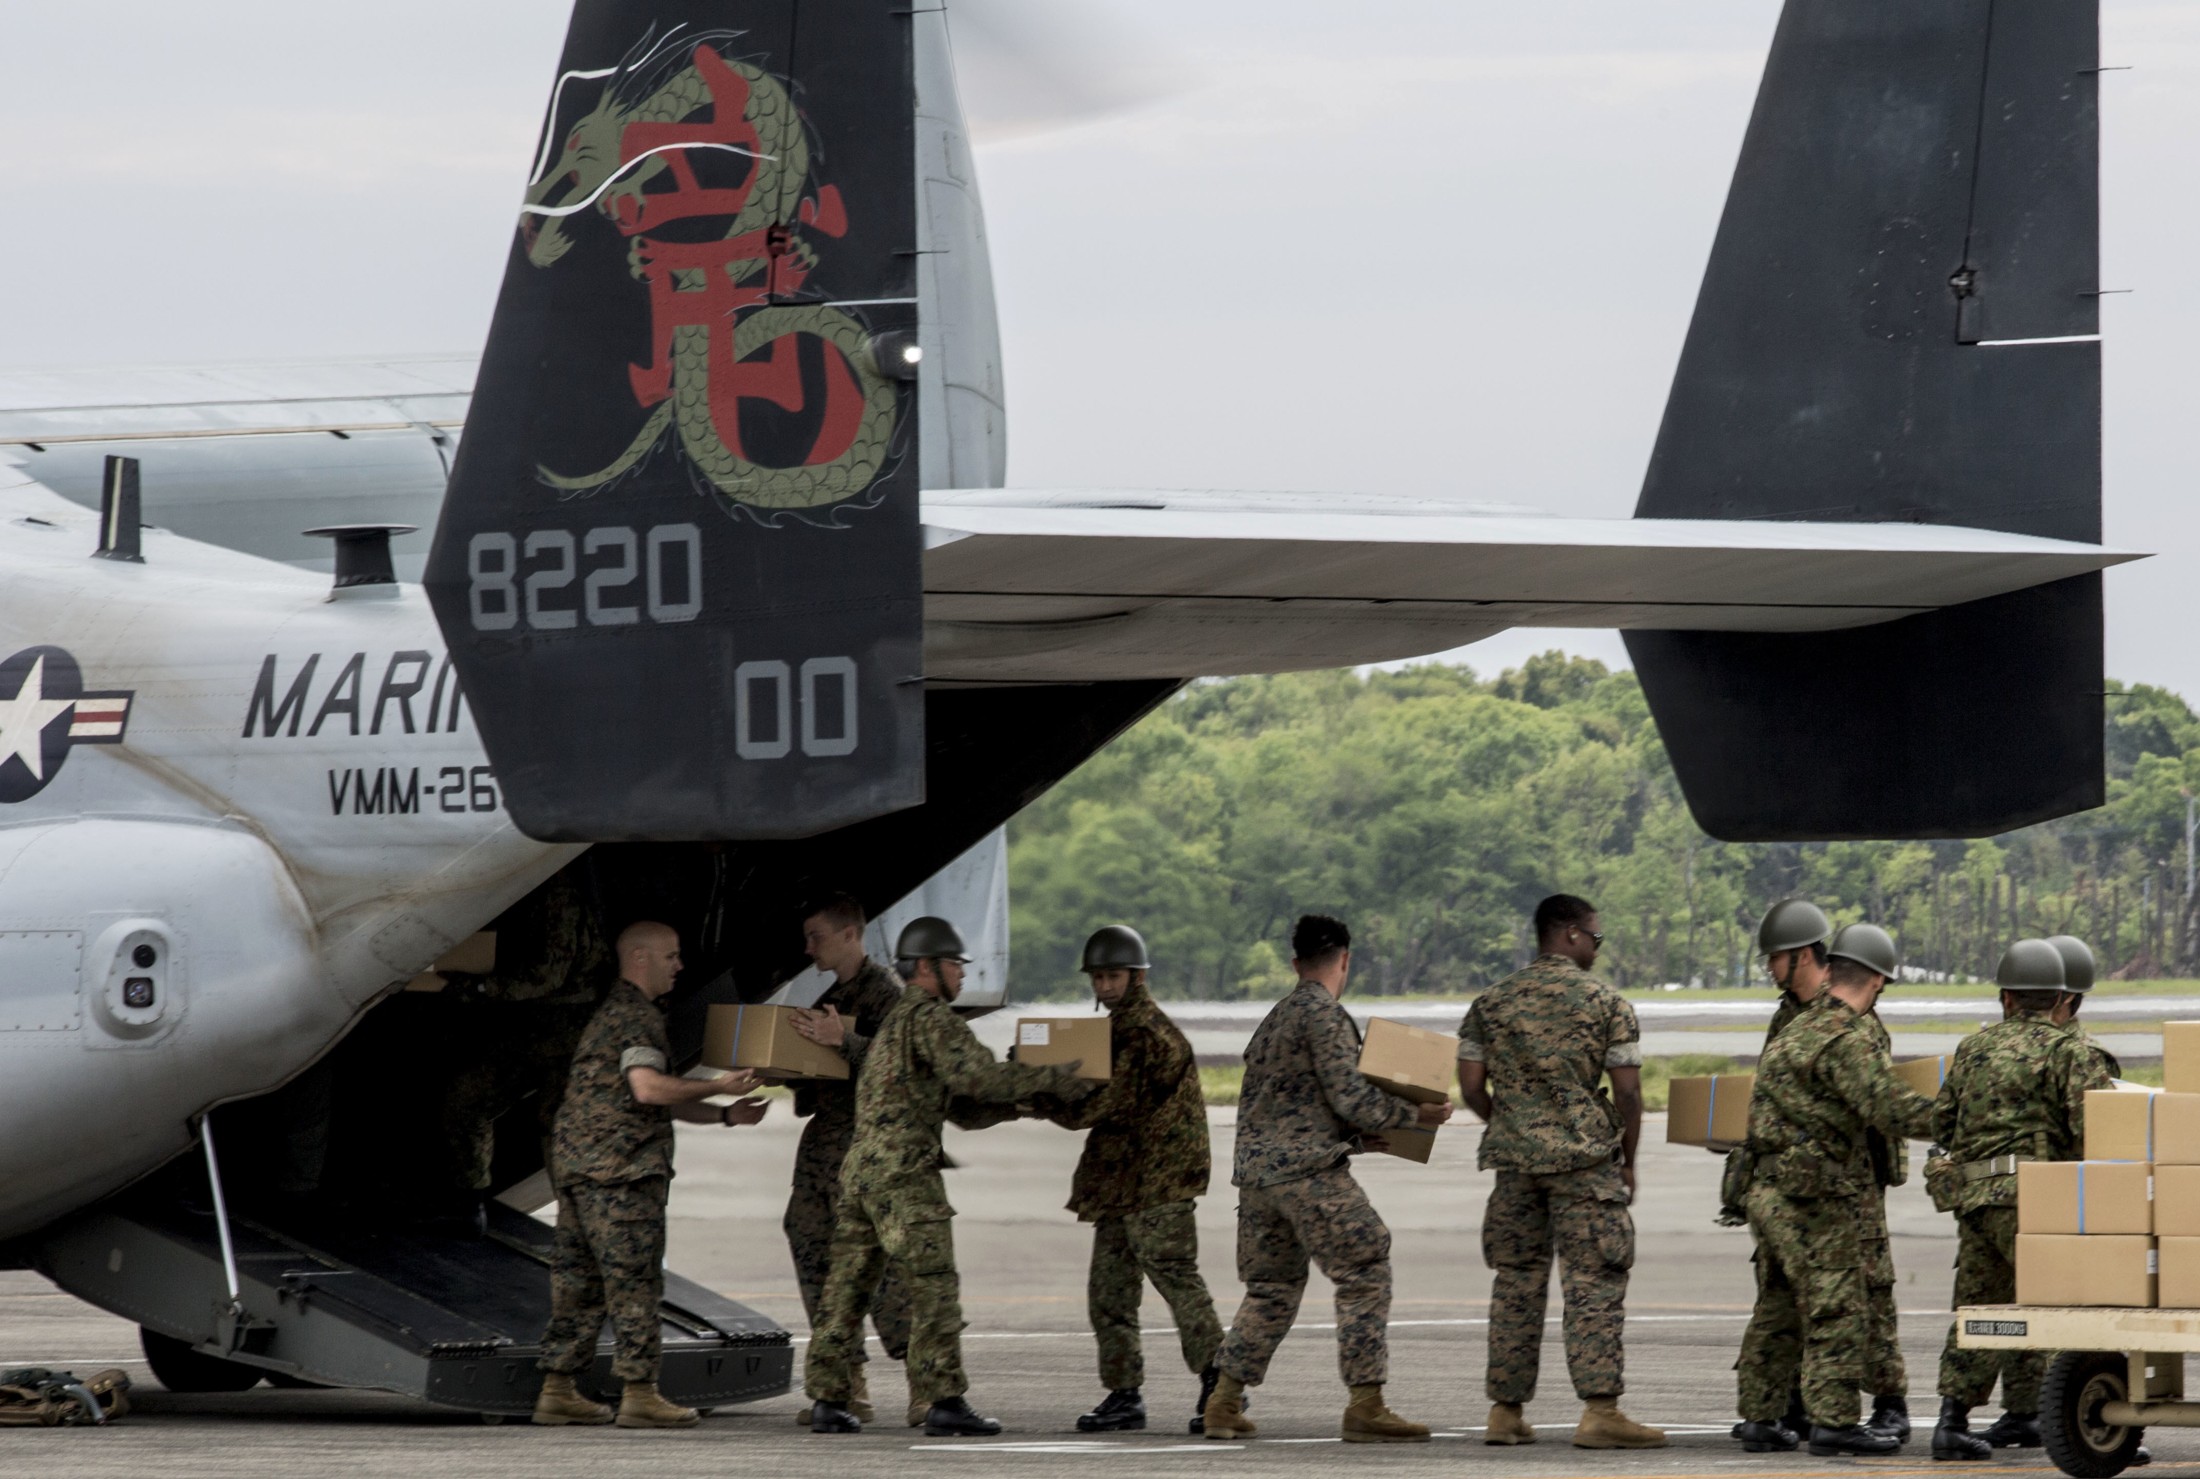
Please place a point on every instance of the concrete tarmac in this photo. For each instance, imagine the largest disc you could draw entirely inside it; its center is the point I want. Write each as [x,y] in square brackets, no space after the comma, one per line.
[1030,1352]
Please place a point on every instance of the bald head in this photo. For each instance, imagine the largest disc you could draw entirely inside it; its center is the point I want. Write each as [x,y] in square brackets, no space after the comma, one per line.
[649,957]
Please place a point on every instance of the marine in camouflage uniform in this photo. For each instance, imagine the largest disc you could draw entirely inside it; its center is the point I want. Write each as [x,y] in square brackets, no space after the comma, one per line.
[1146,1158]
[863,1000]
[1546,1035]
[521,1022]
[1821,1087]
[611,1159]
[2015,1091]
[1302,1109]
[923,1068]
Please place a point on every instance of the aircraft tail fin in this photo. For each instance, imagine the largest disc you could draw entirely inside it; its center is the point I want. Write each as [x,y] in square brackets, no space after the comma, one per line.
[679,566]
[1899,322]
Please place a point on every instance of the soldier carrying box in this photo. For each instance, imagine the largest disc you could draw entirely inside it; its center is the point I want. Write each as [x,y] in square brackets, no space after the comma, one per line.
[2015,1092]
[1146,1158]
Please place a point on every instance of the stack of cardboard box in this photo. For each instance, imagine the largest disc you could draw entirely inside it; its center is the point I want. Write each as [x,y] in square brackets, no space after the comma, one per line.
[2122,1226]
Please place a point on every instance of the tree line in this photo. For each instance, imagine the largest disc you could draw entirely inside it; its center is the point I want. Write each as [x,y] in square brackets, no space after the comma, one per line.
[1432,808]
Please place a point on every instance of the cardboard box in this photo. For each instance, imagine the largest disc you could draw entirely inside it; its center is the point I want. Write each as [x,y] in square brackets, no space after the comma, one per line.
[2177,1129]
[1408,1144]
[2177,1201]
[1089,1042]
[2060,1269]
[1711,1112]
[2181,1057]
[1925,1075]
[476,955]
[2095,1198]
[1411,1062]
[763,1038]
[2119,1124]
[2180,1273]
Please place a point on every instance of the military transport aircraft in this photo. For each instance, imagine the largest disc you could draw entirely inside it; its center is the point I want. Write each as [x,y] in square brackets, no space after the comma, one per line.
[725,600]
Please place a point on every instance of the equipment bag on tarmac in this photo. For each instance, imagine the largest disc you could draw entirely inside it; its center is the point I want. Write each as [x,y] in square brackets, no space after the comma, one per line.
[33,1397]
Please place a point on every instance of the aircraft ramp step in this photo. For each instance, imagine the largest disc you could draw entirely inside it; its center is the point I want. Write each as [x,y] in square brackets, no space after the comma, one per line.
[454,1320]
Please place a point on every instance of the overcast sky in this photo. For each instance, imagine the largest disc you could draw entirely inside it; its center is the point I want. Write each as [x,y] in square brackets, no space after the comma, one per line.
[1402,245]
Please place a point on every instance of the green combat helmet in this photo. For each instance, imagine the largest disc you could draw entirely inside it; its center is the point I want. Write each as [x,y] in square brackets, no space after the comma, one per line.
[1868,945]
[1115,947]
[928,938]
[2030,965]
[1790,925]
[2077,958]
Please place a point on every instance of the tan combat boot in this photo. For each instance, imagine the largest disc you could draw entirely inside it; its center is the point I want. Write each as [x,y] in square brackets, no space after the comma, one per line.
[1225,1415]
[919,1410]
[859,1399]
[644,1406]
[1507,1425]
[561,1403]
[1367,1420]
[1603,1425]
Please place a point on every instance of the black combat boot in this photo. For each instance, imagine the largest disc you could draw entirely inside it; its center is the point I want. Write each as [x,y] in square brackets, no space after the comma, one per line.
[1855,1440]
[952,1417]
[1121,1411]
[2014,1430]
[1890,1416]
[1765,1438]
[829,1417]
[1207,1380]
[1952,1435]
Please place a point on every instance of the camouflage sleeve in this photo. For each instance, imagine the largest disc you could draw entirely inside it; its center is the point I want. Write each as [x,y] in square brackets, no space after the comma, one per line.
[1865,1079]
[1336,1052]
[970,1072]
[969,1114]
[1623,1043]
[1473,1037]
[2086,1071]
[1948,1106]
[865,1012]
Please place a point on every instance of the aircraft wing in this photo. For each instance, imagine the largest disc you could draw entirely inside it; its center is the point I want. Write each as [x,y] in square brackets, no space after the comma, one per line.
[1082,586]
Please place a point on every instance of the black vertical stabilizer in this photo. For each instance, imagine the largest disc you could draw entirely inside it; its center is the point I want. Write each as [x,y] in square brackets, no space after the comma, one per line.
[1917,189]
[679,565]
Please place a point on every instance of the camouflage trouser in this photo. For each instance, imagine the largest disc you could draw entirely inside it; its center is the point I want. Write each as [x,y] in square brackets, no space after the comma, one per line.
[513,1051]
[813,1210]
[1328,1219]
[1810,1265]
[1986,1273]
[1771,1360]
[609,1258]
[909,1227]
[1582,1218]
[1161,1244]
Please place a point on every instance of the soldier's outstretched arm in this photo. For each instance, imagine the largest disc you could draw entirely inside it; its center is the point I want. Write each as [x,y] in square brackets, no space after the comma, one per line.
[1336,1052]
[1864,1075]
[969,1071]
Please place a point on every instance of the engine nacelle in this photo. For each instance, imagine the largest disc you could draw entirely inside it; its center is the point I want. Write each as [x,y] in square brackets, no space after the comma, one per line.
[148,970]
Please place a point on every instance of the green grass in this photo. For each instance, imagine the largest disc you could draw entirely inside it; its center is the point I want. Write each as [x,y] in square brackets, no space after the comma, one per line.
[1983,990]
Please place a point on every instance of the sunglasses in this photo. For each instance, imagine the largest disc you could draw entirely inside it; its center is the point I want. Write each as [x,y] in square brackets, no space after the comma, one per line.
[1596,937]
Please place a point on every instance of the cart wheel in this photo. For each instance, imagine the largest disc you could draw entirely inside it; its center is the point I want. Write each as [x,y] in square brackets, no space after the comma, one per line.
[2078,1385]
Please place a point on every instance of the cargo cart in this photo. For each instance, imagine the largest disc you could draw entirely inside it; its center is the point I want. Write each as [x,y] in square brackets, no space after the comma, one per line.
[2116,1373]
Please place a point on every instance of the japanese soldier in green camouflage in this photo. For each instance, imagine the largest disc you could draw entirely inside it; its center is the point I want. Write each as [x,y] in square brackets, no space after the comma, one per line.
[2015,1092]
[1144,1161]
[1821,1087]
[1533,1053]
[1303,1111]
[846,1017]
[923,1068]
[1793,939]
[2077,958]
[611,1161]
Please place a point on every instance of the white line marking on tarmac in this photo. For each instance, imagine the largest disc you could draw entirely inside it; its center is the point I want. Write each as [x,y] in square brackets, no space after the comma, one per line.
[1081,1449]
